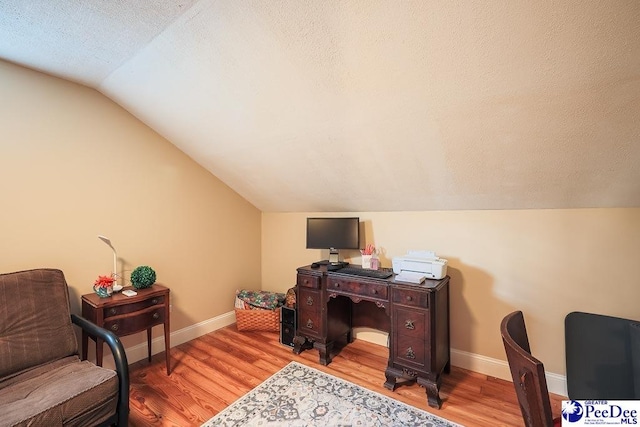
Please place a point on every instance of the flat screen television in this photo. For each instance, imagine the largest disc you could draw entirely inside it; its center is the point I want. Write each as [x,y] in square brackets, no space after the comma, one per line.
[333,234]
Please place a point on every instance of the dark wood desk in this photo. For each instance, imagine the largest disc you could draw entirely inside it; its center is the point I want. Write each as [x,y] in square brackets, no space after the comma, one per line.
[124,315]
[330,304]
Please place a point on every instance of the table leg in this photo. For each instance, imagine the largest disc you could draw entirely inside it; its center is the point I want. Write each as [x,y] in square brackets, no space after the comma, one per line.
[99,348]
[167,346]
[149,343]
[85,344]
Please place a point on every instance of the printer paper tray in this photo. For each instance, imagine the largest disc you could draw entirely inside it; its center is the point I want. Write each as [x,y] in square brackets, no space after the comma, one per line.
[410,277]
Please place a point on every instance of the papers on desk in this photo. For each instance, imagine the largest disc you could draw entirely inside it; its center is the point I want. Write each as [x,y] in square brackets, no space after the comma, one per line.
[410,277]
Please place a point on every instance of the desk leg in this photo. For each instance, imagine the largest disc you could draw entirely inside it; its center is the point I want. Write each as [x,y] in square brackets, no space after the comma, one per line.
[432,389]
[149,344]
[325,352]
[391,376]
[300,344]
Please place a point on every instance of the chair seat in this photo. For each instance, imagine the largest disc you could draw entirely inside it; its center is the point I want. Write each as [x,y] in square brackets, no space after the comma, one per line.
[67,391]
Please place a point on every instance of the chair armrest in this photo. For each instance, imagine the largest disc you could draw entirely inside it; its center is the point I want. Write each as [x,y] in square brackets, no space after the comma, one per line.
[120,359]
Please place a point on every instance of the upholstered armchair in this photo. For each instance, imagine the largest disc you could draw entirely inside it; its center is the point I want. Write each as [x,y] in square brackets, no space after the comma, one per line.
[43,382]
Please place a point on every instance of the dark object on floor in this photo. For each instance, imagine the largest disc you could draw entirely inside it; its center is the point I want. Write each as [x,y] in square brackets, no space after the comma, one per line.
[287,326]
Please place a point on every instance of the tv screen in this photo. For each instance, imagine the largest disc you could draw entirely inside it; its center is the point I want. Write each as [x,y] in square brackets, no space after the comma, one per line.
[333,233]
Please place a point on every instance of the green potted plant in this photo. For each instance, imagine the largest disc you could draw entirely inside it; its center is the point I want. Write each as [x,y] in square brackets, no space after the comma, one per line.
[143,277]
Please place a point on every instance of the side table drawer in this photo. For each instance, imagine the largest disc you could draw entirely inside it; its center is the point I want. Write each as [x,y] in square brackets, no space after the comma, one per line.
[136,322]
[132,308]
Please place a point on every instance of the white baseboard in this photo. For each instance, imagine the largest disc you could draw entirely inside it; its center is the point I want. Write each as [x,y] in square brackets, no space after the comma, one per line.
[139,352]
[556,383]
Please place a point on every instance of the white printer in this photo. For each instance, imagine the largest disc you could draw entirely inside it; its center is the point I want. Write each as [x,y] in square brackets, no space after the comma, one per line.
[424,263]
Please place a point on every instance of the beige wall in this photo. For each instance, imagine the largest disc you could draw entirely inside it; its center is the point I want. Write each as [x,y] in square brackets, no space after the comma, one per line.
[73,165]
[543,262]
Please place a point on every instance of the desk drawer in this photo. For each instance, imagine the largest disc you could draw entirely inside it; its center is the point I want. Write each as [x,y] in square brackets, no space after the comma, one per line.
[362,288]
[308,281]
[411,322]
[309,306]
[135,322]
[412,297]
[132,308]
[411,352]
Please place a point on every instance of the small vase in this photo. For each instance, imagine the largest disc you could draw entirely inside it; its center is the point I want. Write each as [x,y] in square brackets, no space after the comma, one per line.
[103,292]
[375,262]
[366,261]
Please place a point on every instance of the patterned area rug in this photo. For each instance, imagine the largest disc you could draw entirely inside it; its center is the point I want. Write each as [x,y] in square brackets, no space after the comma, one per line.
[299,396]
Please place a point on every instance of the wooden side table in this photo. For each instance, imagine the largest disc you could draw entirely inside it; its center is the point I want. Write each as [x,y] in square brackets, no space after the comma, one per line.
[124,315]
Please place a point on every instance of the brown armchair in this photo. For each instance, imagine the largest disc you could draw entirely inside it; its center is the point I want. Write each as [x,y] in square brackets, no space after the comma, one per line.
[43,382]
[527,372]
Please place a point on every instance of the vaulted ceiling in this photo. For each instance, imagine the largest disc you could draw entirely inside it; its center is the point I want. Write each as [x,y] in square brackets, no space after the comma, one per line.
[367,105]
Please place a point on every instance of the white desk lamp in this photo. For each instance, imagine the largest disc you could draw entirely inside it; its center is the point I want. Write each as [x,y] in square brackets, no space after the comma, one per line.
[115,258]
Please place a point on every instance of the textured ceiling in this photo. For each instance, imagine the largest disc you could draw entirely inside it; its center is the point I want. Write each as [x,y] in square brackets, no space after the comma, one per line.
[364,105]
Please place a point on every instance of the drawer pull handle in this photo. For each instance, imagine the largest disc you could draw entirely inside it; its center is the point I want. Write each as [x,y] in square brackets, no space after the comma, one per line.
[309,301]
[154,301]
[409,324]
[113,311]
[114,327]
[409,298]
[310,324]
[306,282]
[375,292]
[155,316]
[336,285]
[410,353]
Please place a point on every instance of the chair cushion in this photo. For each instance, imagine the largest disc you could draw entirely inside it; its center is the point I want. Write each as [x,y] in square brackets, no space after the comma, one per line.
[65,392]
[35,321]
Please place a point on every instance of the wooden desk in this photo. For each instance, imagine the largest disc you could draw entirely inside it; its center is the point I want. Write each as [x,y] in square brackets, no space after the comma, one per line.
[124,315]
[330,304]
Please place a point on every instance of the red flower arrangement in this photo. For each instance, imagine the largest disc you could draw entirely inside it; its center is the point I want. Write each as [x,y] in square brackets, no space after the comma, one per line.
[104,281]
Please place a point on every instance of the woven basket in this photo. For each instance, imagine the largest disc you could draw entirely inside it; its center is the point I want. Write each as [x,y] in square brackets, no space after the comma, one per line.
[258,320]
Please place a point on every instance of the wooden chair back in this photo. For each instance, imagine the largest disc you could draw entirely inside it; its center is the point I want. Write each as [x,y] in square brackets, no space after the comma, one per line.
[527,373]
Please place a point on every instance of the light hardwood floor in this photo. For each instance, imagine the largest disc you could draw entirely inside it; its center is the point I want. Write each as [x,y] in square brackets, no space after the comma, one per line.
[214,370]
